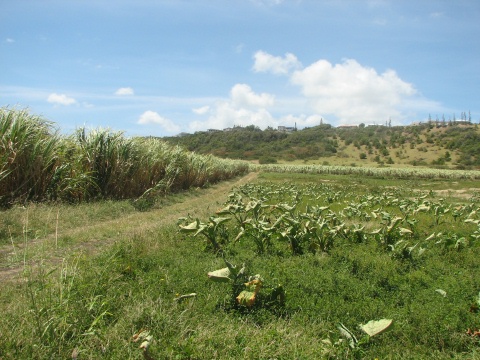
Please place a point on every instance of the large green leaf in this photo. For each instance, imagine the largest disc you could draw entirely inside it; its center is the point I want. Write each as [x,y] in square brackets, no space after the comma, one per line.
[375,327]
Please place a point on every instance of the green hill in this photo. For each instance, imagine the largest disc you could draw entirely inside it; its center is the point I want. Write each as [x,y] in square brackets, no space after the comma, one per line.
[453,145]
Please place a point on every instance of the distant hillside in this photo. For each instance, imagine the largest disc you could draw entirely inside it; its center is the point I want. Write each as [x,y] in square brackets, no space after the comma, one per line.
[453,145]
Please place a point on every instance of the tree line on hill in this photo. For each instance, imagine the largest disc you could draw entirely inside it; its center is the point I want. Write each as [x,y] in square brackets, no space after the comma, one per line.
[270,146]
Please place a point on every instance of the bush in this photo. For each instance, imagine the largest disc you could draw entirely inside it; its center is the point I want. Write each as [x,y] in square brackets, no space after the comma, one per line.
[267,160]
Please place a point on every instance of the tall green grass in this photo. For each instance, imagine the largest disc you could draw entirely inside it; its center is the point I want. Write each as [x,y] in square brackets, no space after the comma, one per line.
[28,155]
[39,164]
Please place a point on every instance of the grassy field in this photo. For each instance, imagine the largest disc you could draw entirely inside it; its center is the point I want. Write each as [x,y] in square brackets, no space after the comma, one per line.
[333,252]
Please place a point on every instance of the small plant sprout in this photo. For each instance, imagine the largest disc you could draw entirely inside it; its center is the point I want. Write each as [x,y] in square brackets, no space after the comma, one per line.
[146,340]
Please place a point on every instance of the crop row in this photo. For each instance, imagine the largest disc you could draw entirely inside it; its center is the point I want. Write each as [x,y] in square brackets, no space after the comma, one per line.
[314,218]
[381,172]
[38,164]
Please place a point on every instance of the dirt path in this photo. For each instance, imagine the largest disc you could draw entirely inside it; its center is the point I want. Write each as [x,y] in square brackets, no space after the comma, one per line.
[105,232]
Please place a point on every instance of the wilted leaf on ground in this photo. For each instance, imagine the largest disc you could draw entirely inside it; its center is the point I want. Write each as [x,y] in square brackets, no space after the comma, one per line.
[222,275]
[192,227]
[247,297]
[375,327]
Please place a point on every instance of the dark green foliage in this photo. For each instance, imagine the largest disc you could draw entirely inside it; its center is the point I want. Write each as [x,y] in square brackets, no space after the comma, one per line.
[251,143]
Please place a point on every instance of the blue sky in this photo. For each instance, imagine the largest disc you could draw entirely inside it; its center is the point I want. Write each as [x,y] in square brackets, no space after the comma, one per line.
[161,67]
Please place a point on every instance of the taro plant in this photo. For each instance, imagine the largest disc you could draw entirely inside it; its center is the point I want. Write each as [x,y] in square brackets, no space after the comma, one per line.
[357,233]
[257,226]
[261,232]
[234,207]
[451,241]
[214,230]
[245,290]
[390,232]
[294,234]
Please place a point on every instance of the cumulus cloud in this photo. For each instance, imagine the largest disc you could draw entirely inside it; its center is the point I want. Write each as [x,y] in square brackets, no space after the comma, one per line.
[243,96]
[201,110]
[151,117]
[265,62]
[61,99]
[243,107]
[124,91]
[343,93]
[351,92]
[302,120]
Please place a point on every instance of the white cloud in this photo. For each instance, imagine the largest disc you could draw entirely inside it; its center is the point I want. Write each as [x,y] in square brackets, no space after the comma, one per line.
[124,91]
[243,96]
[225,115]
[265,62]
[343,93]
[61,99]
[302,121]
[201,110]
[351,92]
[244,107]
[152,117]
[9,40]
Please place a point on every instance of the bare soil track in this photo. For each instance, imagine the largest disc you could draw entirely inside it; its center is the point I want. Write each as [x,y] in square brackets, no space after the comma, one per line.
[105,234]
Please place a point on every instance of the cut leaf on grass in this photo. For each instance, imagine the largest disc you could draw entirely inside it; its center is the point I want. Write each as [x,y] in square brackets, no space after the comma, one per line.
[375,327]
[441,292]
[222,275]
[184,297]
